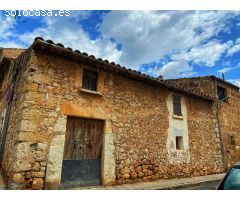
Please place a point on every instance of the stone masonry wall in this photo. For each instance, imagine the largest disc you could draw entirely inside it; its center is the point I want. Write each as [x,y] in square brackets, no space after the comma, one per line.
[139,120]
[204,85]
[228,120]
[229,117]
[10,161]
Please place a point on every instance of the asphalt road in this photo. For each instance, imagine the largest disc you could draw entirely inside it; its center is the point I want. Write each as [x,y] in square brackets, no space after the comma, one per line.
[203,186]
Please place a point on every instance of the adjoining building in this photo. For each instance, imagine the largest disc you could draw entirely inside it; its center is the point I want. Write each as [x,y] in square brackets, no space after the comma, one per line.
[228,111]
[70,120]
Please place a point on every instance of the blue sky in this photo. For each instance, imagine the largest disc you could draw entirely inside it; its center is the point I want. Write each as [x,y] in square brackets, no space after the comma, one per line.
[174,44]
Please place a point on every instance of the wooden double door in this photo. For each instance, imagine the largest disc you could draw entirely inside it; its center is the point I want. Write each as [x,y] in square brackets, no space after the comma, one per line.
[82,152]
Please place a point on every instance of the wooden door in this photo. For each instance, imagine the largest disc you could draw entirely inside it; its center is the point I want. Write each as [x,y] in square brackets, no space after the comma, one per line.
[82,152]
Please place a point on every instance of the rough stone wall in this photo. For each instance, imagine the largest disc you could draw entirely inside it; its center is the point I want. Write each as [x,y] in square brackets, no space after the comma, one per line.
[204,85]
[229,117]
[138,123]
[9,161]
[10,52]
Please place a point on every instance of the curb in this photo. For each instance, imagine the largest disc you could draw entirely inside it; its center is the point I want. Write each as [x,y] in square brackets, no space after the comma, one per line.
[188,182]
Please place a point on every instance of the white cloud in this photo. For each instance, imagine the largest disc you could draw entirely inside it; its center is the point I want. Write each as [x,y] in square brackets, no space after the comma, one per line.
[207,54]
[6,27]
[235,81]
[225,69]
[173,69]
[69,32]
[6,23]
[147,36]
[235,48]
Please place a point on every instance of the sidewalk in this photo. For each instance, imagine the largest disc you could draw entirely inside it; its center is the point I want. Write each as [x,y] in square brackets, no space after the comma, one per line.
[159,184]
[2,184]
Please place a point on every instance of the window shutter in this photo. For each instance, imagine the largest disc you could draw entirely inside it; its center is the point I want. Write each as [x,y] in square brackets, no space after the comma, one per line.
[177,110]
[89,80]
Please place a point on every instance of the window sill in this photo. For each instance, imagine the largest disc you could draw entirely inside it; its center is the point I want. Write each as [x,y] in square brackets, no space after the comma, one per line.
[91,92]
[180,150]
[178,117]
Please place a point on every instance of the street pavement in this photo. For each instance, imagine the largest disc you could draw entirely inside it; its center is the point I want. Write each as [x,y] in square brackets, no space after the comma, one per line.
[210,185]
[2,185]
[163,184]
[208,182]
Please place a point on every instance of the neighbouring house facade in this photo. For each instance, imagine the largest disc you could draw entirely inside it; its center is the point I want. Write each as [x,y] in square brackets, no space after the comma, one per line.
[228,111]
[70,120]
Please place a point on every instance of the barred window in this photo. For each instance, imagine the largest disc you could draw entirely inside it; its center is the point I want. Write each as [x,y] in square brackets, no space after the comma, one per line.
[89,80]
[177,110]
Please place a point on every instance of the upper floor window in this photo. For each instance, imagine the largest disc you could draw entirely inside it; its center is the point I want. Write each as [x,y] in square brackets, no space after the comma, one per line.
[221,92]
[89,79]
[177,110]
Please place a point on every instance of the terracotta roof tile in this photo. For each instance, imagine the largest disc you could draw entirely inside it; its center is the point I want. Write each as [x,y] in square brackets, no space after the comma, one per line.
[40,44]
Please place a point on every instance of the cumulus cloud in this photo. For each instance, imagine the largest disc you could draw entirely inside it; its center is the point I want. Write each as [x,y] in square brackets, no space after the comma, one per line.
[69,32]
[235,48]
[225,69]
[147,36]
[6,28]
[174,69]
[207,54]
[235,82]
[185,37]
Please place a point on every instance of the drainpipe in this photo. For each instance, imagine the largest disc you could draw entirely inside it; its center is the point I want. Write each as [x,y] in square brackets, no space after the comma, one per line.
[218,107]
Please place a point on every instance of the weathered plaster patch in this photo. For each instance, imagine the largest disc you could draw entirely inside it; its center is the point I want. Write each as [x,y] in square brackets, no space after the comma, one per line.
[55,158]
[108,159]
[177,127]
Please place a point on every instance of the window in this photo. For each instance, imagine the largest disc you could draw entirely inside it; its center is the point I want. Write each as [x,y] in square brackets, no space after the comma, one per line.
[177,105]
[221,92]
[231,140]
[179,142]
[89,80]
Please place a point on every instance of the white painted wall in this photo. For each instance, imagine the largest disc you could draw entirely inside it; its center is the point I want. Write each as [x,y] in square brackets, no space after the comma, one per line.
[177,127]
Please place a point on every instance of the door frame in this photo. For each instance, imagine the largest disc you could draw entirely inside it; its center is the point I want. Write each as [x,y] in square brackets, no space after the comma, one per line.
[56,146]
[102,135]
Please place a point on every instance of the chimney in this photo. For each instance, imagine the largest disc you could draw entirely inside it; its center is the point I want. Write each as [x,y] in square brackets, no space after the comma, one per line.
[223,78]
[160,77]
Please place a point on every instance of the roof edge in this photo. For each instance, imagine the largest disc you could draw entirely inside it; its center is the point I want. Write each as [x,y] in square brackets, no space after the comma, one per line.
[59,49]
[210,76]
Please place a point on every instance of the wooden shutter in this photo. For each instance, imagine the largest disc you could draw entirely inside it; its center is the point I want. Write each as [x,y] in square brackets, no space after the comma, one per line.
[177,110]
[89,80]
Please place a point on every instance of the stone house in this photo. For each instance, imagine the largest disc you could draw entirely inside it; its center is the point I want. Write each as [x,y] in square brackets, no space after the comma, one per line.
[228,111]
[69,120]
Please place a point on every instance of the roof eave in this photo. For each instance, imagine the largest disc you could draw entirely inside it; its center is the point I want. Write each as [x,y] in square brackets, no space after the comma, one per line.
[41,45]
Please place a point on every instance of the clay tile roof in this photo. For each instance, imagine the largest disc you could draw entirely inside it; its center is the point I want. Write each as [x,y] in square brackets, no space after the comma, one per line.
[50,41]
[60,45]
[59,49]
[70,49]
[224,81]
